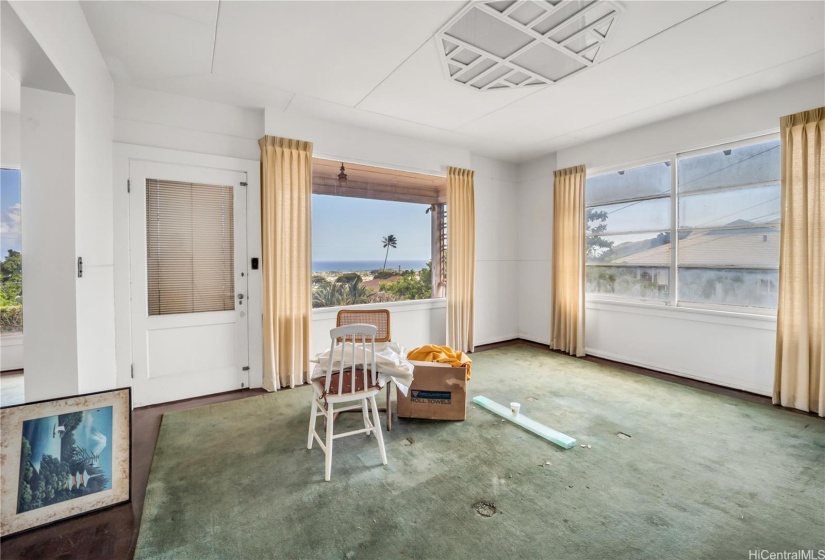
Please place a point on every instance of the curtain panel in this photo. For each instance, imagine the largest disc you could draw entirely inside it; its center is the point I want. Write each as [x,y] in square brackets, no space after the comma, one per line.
[461,258]
[286,204]
[567,289]
[799,380]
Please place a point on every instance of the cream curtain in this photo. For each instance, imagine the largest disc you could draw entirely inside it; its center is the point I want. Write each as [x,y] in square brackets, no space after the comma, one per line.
[567,290]
[799,380]
[461,258]
[286,195]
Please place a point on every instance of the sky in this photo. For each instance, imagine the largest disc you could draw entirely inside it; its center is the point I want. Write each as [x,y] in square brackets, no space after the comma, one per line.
[754,168]
[351,229]
[10,233]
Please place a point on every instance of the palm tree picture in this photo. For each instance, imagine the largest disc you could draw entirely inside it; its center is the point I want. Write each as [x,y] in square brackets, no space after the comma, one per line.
[389,241]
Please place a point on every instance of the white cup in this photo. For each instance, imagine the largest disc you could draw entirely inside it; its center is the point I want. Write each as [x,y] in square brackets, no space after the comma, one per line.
[514,407]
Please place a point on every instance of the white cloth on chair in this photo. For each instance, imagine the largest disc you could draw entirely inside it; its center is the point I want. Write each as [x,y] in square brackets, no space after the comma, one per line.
[390,361]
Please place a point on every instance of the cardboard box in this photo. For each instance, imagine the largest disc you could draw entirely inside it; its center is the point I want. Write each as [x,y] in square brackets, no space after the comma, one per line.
[438,392]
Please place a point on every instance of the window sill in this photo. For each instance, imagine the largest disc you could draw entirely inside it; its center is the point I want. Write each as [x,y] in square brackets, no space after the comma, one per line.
[659,309]
[394,306]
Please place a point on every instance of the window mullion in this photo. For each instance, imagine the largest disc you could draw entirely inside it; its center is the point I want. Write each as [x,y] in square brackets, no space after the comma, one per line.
[674,230]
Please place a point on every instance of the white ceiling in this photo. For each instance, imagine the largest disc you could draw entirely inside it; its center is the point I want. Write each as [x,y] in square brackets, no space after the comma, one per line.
[376,65]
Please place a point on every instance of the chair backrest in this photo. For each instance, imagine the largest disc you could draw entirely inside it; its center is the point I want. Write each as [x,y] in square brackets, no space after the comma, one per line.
[380,318]
[349,338]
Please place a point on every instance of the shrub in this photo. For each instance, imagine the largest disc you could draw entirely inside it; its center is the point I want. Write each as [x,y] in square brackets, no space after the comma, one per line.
[11,318]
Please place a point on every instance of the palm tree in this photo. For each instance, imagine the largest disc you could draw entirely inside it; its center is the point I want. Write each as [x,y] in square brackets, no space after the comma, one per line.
[389,241]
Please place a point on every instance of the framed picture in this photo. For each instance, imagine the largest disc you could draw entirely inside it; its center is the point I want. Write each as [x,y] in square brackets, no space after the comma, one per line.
[64,457]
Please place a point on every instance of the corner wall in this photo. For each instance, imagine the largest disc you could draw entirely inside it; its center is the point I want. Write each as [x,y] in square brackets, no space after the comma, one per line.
[535,247]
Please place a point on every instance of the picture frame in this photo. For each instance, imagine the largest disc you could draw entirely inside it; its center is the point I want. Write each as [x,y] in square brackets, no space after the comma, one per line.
[65,457]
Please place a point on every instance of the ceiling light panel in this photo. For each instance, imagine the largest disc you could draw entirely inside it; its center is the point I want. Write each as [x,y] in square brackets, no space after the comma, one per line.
[525,43]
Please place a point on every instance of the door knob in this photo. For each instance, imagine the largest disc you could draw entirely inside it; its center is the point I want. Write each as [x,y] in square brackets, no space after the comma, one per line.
[240,296]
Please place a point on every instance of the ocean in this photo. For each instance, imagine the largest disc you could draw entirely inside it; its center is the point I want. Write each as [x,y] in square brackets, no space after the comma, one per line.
[345,266]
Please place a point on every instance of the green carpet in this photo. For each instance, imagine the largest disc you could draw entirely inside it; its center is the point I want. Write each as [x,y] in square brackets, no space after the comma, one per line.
[702,475]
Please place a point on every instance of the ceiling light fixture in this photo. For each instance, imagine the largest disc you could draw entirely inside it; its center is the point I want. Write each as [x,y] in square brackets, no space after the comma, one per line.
[518,43]
[342,177]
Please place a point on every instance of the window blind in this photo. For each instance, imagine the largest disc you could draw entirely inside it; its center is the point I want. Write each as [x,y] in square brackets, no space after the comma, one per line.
[189,247]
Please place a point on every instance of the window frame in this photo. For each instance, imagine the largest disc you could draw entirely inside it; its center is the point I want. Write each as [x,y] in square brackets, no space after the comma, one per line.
[438,231]
[15,338]
[673,158]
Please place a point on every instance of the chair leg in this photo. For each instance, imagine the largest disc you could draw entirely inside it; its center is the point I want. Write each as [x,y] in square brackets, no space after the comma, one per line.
[378,434]
[328,456]
[389,406]
[366,412]
[312,418]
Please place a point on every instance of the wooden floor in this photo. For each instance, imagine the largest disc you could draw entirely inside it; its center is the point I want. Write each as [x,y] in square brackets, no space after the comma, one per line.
[112,533]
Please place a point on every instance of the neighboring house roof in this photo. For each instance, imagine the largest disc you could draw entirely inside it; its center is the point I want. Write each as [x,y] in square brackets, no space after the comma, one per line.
[376,282]
[750,247]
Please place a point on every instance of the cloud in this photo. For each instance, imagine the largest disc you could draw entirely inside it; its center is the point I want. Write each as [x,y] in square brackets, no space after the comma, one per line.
[10,223]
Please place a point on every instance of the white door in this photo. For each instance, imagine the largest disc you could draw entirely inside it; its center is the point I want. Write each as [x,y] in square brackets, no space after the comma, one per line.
[189,322]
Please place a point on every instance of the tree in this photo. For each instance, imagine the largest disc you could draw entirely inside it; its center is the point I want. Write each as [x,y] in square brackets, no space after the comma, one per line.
[412,285]
[596,223]
[11,276]
[346,290]
[389,241]
[326,295]
[349,278]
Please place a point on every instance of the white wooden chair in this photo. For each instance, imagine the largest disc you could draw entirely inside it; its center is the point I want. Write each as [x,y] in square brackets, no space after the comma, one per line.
[350,381]
[381,319]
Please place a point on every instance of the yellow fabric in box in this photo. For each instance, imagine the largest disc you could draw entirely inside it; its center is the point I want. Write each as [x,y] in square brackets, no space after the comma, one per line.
[442,355]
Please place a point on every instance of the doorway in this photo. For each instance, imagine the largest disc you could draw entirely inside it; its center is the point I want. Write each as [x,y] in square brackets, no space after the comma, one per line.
[188,276]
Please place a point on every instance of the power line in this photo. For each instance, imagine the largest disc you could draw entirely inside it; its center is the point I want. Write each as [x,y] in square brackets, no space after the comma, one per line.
[731,165]
[738,211]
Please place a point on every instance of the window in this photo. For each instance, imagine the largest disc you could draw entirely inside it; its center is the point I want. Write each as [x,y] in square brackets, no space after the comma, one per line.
[378,236]
[628,233]
[11,267]
[189,247]
[727,209]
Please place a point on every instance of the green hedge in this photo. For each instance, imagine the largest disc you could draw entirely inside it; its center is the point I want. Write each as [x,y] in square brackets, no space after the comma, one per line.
[11,318]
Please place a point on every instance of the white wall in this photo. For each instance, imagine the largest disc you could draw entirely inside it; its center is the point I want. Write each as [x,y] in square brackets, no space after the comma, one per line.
[535,247]
[162,120]
[413,323]
[9,140]
[743,118]
[358,145]
[61,30]
[47,195]
[729,349]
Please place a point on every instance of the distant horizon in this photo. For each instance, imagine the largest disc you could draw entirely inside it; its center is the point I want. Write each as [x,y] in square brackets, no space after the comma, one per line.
[354,265]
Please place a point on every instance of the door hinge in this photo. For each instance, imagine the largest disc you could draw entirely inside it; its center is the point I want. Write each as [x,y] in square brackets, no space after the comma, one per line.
[243,184]
[132,370]
[128,185]
[80,267]
[245,368]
